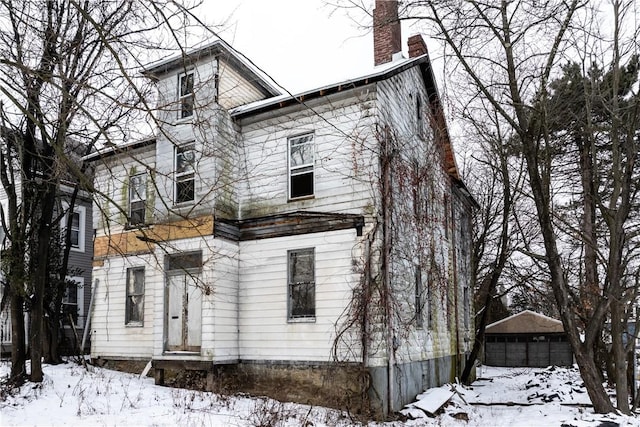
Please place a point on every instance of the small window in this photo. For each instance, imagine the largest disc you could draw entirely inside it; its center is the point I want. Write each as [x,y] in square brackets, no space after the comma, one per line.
[75,230]
[418,296]
[184,173]
[135,296]
[419,118]
[186,95]
[446,217]
[301,166]
[76,224]
[137,198]
[302,285]
[184,261]
[466,301]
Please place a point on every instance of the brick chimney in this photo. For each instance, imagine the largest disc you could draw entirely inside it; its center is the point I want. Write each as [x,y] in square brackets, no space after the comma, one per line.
[417,46]
[386,31]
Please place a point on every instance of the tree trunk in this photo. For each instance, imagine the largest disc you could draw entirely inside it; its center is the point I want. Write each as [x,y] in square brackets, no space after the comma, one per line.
[583,352]
[18,339]
[40,281]
[619,358]
[479,339]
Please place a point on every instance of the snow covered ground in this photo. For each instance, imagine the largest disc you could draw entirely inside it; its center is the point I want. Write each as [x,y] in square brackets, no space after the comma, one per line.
[73,396]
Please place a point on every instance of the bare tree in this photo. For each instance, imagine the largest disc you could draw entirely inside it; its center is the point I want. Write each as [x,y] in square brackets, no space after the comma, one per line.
[69,77]
[492,44]
[509,53]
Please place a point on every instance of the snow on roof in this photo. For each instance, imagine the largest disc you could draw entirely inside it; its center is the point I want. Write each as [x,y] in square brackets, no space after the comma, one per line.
[525,322]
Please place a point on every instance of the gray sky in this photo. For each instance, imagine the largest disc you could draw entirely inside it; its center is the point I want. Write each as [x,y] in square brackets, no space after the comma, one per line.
[302,44]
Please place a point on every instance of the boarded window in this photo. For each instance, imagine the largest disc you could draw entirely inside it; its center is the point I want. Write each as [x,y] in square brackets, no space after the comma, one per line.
[137,198]
[186,95]
[185,173]
[301,163]
[302,286]
[135,296]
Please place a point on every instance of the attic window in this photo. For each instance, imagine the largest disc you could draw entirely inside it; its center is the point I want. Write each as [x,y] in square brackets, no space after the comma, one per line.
[186,94]
[301,166]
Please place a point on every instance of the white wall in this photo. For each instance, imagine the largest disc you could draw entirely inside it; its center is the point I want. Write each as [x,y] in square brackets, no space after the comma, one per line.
[265,332]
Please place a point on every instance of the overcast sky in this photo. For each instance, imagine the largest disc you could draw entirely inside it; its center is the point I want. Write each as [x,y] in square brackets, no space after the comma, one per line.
[302,44]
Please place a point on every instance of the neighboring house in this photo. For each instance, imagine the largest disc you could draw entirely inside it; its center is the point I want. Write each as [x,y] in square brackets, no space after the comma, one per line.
[78,294]
[527,339]
[320,240]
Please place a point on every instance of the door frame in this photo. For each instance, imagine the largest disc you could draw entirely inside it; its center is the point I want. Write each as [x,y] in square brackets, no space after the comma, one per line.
[173,267]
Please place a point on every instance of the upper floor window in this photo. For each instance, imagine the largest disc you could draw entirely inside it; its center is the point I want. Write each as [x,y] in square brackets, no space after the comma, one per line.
[419,118]
[75,229]
[185,173]
[76,224]
[186,94]
[302,284]
[137,198]
[301,162]
[446,222]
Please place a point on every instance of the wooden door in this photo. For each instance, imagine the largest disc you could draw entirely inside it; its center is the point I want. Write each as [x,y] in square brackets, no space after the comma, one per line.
[184,312]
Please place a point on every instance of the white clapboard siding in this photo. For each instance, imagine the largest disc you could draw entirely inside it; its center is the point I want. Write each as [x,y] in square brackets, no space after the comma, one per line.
[110,336]
[111,182]
[343,166]
[234,89]
[397,107]
[265,333]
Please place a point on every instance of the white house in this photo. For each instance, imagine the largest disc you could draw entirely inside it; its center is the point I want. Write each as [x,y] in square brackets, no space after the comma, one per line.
[319,240]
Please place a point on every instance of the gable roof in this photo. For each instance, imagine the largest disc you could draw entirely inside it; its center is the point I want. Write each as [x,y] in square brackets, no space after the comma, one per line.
[380,73]
[219,48]
[525,322]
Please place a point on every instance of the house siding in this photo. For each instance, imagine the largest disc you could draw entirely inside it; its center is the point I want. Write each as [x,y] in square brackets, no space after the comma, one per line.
[342,128]
[265,331]
[244,223]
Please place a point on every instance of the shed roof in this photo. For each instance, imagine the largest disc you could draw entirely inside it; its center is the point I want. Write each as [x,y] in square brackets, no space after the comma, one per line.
[525,322]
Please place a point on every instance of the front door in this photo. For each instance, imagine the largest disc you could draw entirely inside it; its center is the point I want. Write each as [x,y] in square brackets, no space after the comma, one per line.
[184,312]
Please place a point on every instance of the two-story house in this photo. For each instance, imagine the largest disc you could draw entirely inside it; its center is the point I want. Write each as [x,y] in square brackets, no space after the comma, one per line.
[318,243]
[74,207]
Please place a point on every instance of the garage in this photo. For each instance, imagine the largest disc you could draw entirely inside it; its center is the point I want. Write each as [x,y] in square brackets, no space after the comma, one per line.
[527,339]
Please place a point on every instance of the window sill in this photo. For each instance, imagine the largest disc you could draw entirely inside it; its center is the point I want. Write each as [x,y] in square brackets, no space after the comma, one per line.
[184,121]
[183,204]
[134,325]
[301,320]
[297,199]
[137,226]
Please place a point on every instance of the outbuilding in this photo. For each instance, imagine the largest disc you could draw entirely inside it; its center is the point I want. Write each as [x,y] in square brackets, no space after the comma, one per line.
[527,339]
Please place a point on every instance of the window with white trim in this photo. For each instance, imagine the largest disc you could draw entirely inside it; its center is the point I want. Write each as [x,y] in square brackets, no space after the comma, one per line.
[302,284]
[134,314]
[137,198]
[77,226]
[73,300]
[301,164]
[185,173]
[185,95]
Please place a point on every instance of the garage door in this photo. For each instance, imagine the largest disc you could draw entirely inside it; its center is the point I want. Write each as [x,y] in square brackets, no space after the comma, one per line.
[527,350]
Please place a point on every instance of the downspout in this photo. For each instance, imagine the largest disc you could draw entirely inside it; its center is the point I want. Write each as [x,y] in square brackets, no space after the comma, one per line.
[87,324]
[386,258]
[455,284]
